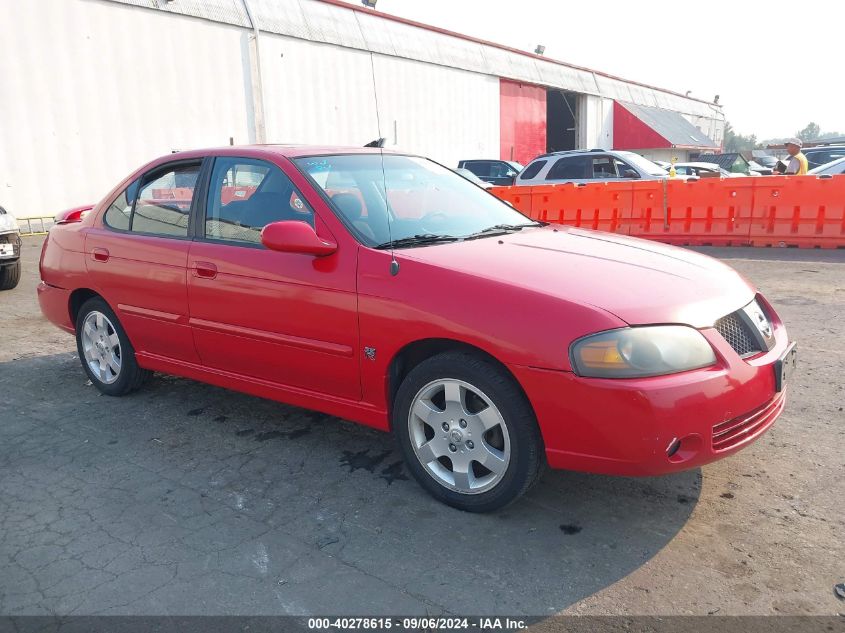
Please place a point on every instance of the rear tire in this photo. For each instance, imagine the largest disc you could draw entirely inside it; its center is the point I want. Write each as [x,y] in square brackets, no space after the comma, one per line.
[10,276]
[105,352]
[467,432]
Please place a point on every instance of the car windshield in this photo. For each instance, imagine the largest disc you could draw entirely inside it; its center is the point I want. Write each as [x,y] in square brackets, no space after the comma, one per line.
[423,201]
[834,167]
[643,164]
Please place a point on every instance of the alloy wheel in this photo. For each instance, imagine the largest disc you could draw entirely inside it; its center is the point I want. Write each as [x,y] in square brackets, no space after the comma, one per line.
[101,347]
[459,436]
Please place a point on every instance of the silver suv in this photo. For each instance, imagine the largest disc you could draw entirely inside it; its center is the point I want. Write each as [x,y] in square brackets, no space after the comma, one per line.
[588,165]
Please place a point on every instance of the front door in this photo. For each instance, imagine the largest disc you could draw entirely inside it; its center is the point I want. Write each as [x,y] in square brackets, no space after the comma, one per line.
[287,318]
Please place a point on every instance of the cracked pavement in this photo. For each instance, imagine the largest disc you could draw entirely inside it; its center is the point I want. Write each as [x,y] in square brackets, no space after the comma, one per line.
[188,499]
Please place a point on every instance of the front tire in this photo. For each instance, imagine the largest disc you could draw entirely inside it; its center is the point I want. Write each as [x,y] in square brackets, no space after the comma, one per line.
[10,276]
[467,432]
[106,354]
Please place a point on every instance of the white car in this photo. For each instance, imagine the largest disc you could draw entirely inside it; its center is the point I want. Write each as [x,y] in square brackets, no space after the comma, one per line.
[704,170]
[10,251]
[466,173]
[832,168]
[588,165]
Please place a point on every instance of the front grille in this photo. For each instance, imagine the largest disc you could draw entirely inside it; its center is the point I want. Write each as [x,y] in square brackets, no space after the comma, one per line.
[738,334]
[731,433]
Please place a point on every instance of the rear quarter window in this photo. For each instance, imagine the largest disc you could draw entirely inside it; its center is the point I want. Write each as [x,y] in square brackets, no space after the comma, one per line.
[119,212]
[532,170]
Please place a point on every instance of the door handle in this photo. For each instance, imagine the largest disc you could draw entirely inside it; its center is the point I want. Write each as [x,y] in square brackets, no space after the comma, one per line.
[206,270]
[100,254]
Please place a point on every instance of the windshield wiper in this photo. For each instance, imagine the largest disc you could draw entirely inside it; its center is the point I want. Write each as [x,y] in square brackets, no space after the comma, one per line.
[500,229]
[417,240]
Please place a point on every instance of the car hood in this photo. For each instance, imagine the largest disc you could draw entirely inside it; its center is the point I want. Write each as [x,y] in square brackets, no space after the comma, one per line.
[8,223]
[637,280]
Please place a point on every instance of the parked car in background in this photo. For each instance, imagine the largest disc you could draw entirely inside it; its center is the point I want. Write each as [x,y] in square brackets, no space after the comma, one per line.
[588,165]
[761,170]
[766,161]
[663,163]
[385,289]
[833,168]
[823,154]
[10,251]
[703,170]
[497,172]
[466,173]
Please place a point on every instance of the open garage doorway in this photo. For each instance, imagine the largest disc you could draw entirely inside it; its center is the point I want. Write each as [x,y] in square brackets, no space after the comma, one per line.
[561,120]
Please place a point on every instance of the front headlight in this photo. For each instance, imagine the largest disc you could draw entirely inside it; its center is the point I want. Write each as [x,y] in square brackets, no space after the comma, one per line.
[641,351]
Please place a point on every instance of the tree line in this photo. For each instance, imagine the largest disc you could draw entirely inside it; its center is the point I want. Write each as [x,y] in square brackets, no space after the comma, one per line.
[735,142]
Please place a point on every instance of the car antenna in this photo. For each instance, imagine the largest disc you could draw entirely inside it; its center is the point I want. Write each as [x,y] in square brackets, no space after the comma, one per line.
[379,142]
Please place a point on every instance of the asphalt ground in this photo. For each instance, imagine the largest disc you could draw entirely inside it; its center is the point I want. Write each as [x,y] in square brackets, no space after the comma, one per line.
[189,499]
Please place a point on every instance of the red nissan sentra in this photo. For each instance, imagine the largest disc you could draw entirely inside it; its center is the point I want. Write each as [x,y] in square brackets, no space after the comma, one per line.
[386,289]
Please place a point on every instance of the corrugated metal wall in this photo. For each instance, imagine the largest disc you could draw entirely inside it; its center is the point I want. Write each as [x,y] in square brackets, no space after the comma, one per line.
[316,93]
[356,28]
[93,88]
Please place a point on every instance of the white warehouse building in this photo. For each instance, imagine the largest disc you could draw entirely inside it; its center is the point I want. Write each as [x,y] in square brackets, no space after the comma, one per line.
[91,89]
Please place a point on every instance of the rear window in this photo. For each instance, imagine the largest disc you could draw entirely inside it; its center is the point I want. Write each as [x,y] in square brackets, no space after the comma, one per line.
[532,170]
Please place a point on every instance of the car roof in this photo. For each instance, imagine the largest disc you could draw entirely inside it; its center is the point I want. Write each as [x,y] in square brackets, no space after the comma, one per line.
[289,151]
[822,148]
[566,152]
[698,164]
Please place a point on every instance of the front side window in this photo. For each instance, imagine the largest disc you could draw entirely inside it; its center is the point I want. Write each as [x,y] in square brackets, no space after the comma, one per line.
[245,195]
[625,170]
[604,167]
[501,170]
[643,164]
[164,201]
[389,198]
[481,168]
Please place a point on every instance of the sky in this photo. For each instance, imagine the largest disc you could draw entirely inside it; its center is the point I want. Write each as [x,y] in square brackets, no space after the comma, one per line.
[774,64]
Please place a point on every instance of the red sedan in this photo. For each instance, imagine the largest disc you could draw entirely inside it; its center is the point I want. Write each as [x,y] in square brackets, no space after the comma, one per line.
[386,289]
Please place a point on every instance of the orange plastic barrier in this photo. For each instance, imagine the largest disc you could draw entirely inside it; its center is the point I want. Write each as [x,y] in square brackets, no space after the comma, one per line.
[519,197]
[710,211]
[802,211]
[604,206]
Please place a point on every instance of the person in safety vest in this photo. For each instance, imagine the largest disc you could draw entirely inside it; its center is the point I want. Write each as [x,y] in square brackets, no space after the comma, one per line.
[797,164]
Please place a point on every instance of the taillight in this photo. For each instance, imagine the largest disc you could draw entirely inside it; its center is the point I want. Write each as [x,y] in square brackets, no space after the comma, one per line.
[73,215]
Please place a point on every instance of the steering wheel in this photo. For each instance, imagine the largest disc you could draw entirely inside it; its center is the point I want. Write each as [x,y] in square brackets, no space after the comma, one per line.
[433,222]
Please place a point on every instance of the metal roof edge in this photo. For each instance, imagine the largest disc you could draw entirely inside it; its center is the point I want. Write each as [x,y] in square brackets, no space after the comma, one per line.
[476,40]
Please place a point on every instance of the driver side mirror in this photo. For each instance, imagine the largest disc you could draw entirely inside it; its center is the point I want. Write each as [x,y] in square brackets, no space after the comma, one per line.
[294,236]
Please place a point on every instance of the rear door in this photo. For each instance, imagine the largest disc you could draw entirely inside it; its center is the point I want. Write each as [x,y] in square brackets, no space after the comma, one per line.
[578,168]
[287,318]
[137,254]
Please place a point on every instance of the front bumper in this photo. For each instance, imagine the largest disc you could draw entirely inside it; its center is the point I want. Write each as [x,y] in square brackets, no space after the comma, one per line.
[633,426]
[14,239]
